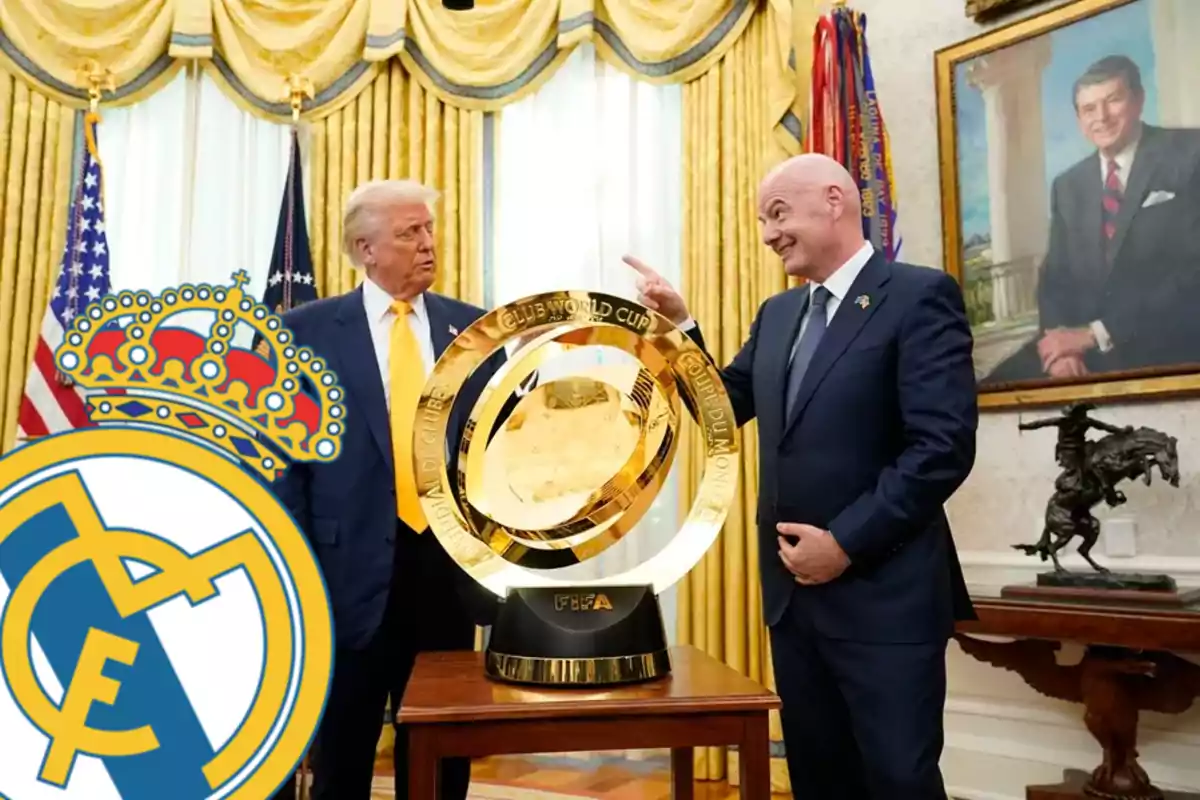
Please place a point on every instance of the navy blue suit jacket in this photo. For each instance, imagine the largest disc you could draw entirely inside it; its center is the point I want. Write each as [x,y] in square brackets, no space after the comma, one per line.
[882,434]
[347,508]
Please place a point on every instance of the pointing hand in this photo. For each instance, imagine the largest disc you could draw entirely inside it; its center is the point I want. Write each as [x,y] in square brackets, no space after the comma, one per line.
[656,293]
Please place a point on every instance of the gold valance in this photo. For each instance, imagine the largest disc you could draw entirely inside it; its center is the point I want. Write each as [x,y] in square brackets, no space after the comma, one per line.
[252,48]
[513,45]
[479,59]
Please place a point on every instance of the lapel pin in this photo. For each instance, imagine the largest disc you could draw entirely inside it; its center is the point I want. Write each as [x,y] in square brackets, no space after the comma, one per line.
[862,301]
[453,331]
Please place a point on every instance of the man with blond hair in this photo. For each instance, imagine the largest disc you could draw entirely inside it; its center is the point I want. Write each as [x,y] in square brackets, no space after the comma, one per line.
[862,384]
[394,590]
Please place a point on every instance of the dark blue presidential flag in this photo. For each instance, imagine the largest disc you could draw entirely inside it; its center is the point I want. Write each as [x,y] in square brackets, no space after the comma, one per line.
[290,281]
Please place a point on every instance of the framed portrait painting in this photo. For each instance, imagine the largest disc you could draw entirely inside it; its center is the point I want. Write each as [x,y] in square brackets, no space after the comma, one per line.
[1070,166]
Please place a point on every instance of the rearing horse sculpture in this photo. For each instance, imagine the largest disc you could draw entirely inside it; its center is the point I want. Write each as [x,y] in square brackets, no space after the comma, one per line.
[1127,454]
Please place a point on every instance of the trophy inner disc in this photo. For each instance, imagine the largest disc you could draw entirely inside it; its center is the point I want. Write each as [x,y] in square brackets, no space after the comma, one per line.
[585,425]
[569,446]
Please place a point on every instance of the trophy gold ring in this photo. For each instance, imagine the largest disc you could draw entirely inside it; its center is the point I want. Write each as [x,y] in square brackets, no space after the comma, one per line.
[550,476]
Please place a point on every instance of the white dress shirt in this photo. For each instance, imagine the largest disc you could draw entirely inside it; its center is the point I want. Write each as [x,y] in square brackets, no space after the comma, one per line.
[378,305]
[1124,161]
[838,285]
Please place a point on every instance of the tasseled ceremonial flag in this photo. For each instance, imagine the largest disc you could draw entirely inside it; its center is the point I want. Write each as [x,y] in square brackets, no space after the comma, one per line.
[847,121]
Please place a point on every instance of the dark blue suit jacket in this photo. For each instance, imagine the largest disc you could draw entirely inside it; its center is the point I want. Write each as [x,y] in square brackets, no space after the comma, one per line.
[347,508]
[882,434]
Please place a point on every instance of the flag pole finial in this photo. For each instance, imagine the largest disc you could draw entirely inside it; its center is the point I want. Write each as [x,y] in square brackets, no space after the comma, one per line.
[97,79]
[298,87]
[291,280]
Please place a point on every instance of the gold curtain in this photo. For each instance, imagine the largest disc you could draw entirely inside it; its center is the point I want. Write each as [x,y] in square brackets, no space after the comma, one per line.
[396,129]
[728,145]
[375,116]
[36,149]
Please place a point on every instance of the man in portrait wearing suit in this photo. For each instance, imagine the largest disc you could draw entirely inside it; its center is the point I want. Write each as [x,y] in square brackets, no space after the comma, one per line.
[863,387]
[394,590]
[1118,286]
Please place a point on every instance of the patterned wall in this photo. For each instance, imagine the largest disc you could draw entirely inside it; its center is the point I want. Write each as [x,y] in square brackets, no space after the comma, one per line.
[1003,500]
[1000,734]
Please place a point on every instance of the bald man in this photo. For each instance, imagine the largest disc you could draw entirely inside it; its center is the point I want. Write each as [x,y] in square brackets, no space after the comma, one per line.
[864,391]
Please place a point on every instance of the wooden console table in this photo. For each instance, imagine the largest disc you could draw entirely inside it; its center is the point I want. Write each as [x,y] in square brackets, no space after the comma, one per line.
[452,709]
[1128,666]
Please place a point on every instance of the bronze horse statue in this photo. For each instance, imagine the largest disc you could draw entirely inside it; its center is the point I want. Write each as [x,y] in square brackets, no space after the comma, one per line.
[1129,454]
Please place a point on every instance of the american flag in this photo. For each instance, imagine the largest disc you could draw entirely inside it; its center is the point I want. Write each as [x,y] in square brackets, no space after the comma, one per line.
[51,404]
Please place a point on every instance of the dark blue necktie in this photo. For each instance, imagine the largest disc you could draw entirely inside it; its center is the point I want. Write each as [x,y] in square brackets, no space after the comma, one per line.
[809,339]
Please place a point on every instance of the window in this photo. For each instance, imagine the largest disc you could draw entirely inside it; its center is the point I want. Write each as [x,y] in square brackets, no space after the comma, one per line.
[192,189]
[586,170]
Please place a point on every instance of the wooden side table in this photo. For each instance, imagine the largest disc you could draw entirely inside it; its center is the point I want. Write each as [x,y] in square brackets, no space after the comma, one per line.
[1129,666]
[452,709]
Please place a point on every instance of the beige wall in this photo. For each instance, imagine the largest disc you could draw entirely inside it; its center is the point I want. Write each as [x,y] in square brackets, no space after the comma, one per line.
[1001,735]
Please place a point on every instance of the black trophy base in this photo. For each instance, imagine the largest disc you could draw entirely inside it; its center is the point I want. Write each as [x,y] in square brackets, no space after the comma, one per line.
[573,637]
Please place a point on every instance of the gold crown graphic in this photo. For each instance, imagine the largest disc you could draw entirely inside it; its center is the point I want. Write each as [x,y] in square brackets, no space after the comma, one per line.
[140,372]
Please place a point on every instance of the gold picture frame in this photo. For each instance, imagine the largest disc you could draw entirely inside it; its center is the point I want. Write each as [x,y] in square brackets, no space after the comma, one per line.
[986,10]
[1179,379]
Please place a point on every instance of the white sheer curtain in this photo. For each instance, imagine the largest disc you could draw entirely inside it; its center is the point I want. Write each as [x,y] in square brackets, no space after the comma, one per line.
[192,190]
[588,169]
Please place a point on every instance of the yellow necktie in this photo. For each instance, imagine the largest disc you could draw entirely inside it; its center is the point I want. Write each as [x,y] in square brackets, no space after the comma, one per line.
[407,378]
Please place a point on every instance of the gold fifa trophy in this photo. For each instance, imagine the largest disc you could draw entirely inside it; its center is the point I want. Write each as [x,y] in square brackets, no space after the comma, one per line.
[553,476]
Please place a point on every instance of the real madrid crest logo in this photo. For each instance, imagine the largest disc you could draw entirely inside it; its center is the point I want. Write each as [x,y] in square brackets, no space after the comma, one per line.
[164,628]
